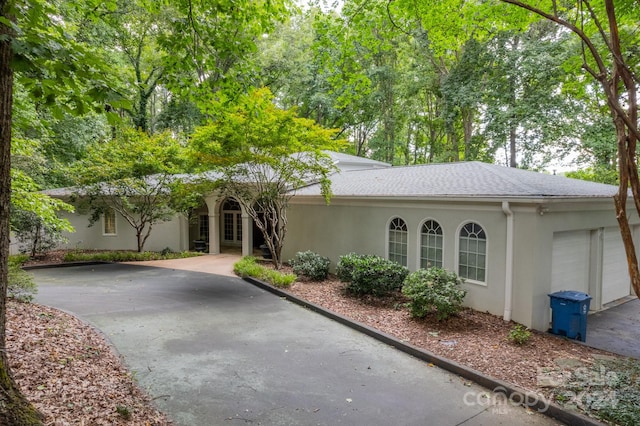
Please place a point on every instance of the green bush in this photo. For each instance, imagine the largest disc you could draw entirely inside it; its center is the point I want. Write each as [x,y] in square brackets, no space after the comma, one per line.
[125,256]
[248,267]
[346,264]
[519,335]
[311,265]
[372,275]
[21,286]
[433,289]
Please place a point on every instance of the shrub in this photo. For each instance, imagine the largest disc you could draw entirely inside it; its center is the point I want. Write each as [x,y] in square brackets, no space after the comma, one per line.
[278,279]
[125,256]
[519,335]
[346,264]
[311,265]
[433,289]
[248,267]
[21,286]
[372,275]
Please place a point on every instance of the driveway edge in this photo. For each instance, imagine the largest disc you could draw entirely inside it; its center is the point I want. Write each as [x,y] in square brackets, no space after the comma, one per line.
[513,393]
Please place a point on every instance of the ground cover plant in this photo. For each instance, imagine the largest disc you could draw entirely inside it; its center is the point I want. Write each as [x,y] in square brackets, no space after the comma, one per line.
[21,286]
[125,256]
[248,266]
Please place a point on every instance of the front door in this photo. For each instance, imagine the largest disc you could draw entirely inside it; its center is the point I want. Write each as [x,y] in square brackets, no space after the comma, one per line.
[231,223]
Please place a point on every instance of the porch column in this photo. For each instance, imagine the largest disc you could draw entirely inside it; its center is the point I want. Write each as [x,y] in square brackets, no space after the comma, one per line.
[214,224]
[247,249]
[184,232]
[214,232]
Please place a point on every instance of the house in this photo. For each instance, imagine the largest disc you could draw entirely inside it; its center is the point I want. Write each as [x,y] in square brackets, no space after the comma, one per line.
[514,235]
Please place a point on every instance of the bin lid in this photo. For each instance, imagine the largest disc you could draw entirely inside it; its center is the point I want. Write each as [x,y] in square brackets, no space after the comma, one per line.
[577,296]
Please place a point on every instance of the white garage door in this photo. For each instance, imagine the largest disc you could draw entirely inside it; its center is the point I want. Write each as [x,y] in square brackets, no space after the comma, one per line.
[615,274]
[570,264]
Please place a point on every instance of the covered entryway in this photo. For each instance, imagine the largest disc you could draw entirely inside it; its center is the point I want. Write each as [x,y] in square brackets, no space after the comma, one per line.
[231,228]
[231,215]
[199,229]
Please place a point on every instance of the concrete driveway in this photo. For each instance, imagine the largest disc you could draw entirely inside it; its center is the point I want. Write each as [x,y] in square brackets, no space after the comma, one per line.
[215,350]
[616,329]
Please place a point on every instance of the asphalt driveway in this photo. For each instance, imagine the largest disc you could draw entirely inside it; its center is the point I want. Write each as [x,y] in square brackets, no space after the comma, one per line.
[215,350]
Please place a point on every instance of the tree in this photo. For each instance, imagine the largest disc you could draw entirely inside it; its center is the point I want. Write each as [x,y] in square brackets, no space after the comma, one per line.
[34,217]
[609,39]
[265,154]
[134,175]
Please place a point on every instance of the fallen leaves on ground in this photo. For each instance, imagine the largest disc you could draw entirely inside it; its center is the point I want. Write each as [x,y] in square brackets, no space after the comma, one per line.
[70,373]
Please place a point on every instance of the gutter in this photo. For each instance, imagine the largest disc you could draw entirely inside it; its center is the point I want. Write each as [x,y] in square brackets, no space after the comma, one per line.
[508,281]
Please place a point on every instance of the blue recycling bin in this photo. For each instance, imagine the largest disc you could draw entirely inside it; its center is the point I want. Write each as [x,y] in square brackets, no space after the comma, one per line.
[569,311]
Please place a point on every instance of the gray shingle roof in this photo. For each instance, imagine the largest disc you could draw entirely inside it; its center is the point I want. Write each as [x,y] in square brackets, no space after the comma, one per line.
[464,179]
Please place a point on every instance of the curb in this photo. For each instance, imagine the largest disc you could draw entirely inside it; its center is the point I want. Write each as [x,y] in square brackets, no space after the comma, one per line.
[513,393]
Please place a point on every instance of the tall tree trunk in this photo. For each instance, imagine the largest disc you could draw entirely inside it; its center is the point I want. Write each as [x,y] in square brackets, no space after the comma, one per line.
[512,146]
[467,126]
[14,407]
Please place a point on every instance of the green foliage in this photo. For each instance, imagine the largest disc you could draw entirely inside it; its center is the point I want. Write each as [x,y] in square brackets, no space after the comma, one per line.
[33,234]
[134,175]
[311,265]
[26,200]
[371,274]
[519,335]
[433,289]
[125,256]
[623,408]
[123,411]
[596,174]
[248,267]
[252,140]
[346,265]
[21,286]
[608,389]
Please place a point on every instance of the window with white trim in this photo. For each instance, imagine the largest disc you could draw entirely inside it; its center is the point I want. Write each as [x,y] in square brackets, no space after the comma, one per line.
[109,222]
[472,252]
[398,241]
[431,245]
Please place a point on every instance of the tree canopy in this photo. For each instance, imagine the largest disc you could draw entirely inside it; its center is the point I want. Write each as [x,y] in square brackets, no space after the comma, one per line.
[264,153]
[119,91]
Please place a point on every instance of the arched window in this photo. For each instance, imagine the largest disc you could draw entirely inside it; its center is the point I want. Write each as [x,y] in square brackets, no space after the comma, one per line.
[431,245]
[472,252]
[398,241]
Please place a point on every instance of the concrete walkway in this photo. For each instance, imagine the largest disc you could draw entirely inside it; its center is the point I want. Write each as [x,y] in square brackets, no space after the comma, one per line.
[215,350]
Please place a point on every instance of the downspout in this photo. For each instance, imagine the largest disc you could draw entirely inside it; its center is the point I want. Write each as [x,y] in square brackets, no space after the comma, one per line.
[508,281]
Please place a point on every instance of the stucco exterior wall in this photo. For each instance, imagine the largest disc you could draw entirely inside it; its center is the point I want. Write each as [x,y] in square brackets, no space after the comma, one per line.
[533,254]
[173,234]
[362,227]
